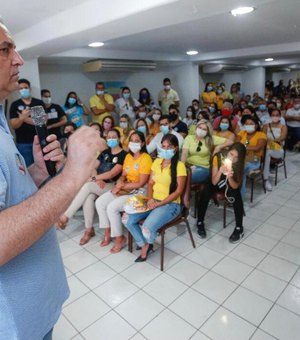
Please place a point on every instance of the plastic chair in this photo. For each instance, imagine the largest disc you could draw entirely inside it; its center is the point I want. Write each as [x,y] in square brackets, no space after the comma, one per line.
[182,217]
[279,163]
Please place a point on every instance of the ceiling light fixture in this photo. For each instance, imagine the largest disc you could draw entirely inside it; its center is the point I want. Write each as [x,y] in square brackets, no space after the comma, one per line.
[96,44]
[242,10]
[269,59]
[192,52]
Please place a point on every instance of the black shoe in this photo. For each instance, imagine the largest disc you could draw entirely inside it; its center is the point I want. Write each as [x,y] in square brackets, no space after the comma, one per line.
[143,259]
[237,235]
[201,230]
[138,248]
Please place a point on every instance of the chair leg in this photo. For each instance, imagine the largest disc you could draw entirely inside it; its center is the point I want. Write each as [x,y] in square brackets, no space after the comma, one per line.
[196,203]
[276,173]
[190,233]
[263,183]
[252,186]
[284,167]
[224,213]
[130,241]
[162,250]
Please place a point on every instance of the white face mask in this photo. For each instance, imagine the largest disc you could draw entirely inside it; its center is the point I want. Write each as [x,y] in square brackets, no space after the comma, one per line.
[249,128]
[167,87]
[142,114]
[155,117]
[123,125]
[200,132]
[46,100]
[134,147]
[189,113]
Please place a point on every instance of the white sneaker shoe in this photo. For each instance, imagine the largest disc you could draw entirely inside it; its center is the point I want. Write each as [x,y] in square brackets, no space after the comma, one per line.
[268,185]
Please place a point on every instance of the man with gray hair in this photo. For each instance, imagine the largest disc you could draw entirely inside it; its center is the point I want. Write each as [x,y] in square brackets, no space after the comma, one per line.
[33,284]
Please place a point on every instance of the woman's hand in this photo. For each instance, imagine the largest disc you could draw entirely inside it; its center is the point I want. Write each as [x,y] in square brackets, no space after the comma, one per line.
[101,184]
[115,190]
[152,204]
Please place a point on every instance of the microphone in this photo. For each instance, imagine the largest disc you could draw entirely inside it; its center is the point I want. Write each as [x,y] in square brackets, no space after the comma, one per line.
[39,118]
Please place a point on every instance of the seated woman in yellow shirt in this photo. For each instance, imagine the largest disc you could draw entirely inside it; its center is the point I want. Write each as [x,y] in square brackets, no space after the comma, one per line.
[198,149]
[255,142]
[135,175]
[225,129]
[166,184]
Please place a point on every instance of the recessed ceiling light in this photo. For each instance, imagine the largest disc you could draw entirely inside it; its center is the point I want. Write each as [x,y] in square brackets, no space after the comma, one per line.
[96,44]
[269,59]
[242,10]
[192,52]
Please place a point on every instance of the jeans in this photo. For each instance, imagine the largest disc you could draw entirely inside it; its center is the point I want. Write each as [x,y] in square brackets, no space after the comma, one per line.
[153,220]
[26,151]
[293,137]
[249,166]
[48,336]
[199,174]
[238,205]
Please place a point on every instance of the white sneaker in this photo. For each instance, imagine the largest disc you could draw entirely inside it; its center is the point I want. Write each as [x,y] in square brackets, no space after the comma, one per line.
[268,185]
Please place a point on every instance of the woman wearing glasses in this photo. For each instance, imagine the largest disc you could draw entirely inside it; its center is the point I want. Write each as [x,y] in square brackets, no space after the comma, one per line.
[198,149]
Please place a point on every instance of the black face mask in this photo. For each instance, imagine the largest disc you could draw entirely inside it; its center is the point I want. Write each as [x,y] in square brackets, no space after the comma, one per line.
[173,117]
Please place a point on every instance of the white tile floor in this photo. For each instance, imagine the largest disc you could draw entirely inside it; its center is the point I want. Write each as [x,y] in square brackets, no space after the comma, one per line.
[217,291]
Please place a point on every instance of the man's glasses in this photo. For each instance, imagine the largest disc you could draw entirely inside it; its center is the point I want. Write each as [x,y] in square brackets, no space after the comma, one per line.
[199,146]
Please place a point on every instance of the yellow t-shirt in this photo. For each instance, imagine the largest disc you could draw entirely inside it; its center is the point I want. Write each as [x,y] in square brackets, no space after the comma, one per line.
[192,129]
[95,101]
[209,97]
[167,98]
[226,134]
[162,179]
[202,157]
[252,155]
[135,167]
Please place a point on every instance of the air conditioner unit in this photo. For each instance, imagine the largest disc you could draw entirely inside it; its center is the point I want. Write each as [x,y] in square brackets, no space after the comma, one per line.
[222,68]
[113,64]
[281,69]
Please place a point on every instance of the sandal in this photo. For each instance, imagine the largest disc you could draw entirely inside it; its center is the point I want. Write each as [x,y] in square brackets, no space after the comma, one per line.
[88,234]
[62,222]
[118,247]
[105,242]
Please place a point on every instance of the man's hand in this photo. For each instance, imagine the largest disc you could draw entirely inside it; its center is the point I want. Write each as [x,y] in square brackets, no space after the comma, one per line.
[53,152]
[83,148]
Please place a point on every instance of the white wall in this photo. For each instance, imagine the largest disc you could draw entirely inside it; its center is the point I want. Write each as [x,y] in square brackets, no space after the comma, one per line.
[285,76]
[254,81]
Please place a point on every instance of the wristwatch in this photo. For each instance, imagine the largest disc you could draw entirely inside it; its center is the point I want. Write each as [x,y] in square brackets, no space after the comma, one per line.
[94,179]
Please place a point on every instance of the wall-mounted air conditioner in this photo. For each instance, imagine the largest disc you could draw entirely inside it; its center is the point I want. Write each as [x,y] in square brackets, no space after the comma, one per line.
[113,64]
[223,68]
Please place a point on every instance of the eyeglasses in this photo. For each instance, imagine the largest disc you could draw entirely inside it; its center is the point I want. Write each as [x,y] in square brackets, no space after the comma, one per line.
[199,146]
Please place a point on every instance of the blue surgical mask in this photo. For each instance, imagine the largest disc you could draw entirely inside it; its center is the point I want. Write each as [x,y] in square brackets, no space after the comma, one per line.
[100,93]
[164,129]
[166,154]
[112,143]
[25,93]
[126,95]
[142,129]
[72,101]
[209,88]
[211,109]
[262,107]
[219,91]
[224,126]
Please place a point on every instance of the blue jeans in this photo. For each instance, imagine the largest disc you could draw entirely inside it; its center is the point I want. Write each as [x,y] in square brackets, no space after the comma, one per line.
[26,151]
[249,166]
[154,219]
[48,336]
[199,174]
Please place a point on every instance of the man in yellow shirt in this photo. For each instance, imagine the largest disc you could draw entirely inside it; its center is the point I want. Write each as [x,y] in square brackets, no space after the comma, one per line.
[102,104]
[167,96]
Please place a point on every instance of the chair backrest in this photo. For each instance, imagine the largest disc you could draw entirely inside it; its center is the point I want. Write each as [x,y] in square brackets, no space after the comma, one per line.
[186,195]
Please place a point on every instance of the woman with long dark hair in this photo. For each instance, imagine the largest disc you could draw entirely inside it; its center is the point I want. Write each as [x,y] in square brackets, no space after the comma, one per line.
[126,104]
[165,186]
[227,174]
[75,109]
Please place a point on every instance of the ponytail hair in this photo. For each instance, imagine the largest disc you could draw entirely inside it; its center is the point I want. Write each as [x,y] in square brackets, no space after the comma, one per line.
[172,139]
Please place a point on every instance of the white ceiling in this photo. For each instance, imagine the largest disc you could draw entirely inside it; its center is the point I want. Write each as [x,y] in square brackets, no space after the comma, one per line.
[156,30]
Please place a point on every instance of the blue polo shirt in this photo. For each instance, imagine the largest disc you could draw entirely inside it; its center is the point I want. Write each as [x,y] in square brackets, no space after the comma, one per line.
[33,285]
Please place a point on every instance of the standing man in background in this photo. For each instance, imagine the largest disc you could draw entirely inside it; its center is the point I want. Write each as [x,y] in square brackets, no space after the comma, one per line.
[21,121]
[56,115]
[167,96]
[33,285]
[102,104]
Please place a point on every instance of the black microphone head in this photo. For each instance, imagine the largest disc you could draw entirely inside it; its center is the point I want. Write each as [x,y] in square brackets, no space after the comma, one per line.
[38,115]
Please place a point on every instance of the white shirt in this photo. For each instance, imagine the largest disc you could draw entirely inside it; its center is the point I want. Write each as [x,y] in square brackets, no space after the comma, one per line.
[156,141]
[292,112]
[123,107]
